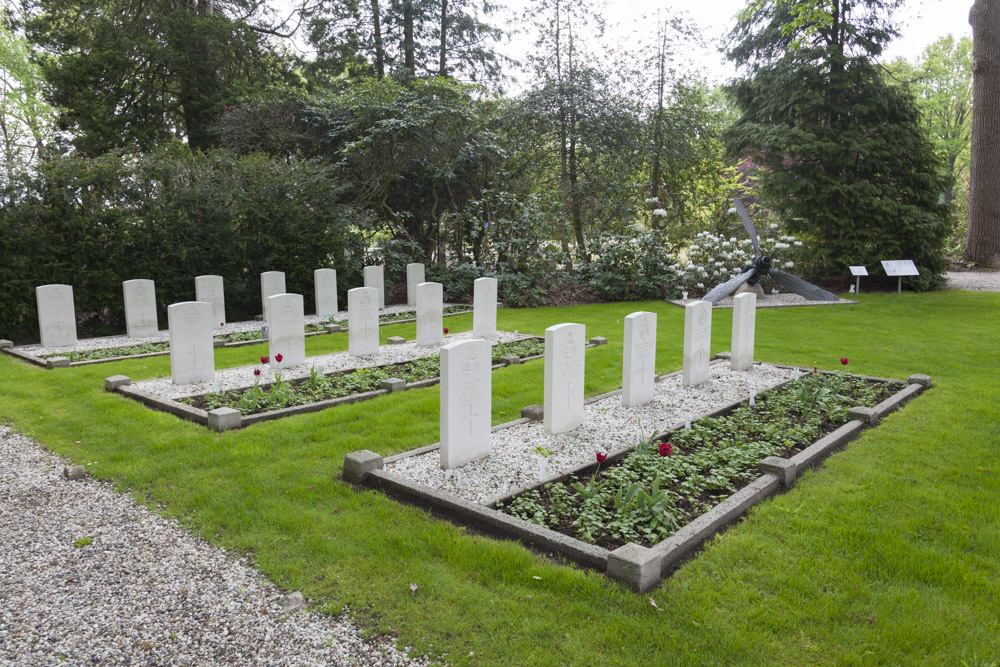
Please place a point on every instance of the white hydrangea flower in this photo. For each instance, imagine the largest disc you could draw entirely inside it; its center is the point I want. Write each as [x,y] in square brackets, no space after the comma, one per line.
[700,285]
[660,212]
[774,291]
[788,265]
[781,246]
[773,225]
[649,201]
[798,243]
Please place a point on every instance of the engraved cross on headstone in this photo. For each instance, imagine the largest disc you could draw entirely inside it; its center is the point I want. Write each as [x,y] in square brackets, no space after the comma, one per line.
[469,417]
[194,355]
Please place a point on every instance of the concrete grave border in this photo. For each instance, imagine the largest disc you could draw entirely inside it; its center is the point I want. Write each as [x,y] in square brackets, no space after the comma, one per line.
[58,362]
[224,420]
[637,567]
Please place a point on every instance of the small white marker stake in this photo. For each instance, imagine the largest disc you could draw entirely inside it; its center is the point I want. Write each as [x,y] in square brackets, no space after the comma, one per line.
[753,397]
[795,376]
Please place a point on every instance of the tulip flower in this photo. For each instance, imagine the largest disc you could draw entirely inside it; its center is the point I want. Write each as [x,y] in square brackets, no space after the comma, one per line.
[601,457]
[277,358]
[666,448]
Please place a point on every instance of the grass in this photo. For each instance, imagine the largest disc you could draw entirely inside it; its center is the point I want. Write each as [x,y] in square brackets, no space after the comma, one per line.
[888,554]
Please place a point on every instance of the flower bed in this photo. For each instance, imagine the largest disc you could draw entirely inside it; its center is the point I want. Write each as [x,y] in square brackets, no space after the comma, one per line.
[282,394]
[660,486]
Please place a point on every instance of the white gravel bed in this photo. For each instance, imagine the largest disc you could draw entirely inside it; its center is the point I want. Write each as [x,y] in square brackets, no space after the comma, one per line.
[144,591]
[515,461]
[974,281]
[772,301]
[102,342]
[240,377]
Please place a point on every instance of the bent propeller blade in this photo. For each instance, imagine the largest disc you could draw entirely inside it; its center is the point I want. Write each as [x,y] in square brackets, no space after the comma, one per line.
[725,289]
[801,287]
[741,210]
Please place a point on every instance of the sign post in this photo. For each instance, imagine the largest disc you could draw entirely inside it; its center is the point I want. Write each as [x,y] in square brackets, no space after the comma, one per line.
[899,268]
[857,272]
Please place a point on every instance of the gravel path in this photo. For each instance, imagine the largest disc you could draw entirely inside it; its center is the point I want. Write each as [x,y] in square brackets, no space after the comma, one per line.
[779,300]
[144,591]
[976,281]
[515,459]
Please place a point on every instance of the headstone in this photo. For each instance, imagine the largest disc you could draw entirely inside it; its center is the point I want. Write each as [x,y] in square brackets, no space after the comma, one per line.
[140,308]
[286,330]
[697,342]
[375,277]
[484,307]
[430,313]
[466,400]
[56,315]
[414,276]
[362,321]
[564,373]
[744,325]
[271,283]
[639,359]
[192,355]
[209,289]
[325,281]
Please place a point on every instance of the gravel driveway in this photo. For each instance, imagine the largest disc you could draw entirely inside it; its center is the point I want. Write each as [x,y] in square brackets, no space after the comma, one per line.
[88,576]
[975,281]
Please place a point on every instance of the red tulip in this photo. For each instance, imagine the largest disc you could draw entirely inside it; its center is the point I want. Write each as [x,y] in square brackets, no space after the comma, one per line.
[277,358]
[815,369]
[264,360]
[601,457]
[256,371]
[222,324]
[446,329]
[843,360]
[666,448]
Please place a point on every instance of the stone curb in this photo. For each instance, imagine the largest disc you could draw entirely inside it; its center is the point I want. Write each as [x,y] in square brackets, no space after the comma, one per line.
[639,568]
[808,304]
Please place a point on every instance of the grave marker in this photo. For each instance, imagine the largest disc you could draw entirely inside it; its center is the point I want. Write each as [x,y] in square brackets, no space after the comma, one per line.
[140,308]
[697,342]
[209,289]
[286,330]
[325,282]
[375,277]
[484,307]
[466,400]
[430,313]
[639,359]
[362,321]
[744,327]
[192,356]
[271,283]
[414,276]
[56,315]
[564,374]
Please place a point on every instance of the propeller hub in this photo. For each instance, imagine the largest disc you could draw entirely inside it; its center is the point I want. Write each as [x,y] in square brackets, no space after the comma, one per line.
[761,266]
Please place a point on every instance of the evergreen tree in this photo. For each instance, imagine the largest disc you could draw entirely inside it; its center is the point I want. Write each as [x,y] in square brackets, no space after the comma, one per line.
[843,156]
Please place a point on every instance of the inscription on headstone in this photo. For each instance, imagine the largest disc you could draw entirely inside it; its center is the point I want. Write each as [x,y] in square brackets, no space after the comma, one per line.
[286,330]
[362,321]
[466,399]
[697,342]
[414,276]
[192,357]
[639,359]
[430,318]
[271,283]
[140,308]
[484,307]
[210,290]
[564,375]
[375,277]
[744,325]
[56,315]
[325,281]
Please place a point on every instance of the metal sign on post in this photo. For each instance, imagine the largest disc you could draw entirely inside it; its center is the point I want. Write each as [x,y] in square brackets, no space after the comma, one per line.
[899,268]
[857,272]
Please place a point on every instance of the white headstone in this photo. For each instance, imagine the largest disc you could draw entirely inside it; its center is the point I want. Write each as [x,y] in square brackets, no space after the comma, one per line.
[484,307]
[56,315]
[697,342]
[362,321]
[325,281]
[564,373]
[466,400]
[430,313]
[140,308]
[210,290]
[286,328]
[414,276]
[375,277]
[744,324]
[192,358]
[271,283]
[639,359]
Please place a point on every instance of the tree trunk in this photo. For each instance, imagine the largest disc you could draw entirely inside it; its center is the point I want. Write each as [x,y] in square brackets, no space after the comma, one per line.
[409,60]
[443,64]
[983,242]
[377,30]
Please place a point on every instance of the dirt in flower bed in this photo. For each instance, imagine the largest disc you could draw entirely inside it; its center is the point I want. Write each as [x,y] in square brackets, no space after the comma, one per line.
[662,485]
[283,394]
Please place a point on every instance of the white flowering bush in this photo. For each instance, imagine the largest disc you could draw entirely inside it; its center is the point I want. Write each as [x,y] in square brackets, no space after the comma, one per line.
[711,259]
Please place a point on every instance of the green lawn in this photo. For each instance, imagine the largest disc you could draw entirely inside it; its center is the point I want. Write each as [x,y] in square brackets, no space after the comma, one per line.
[888,554]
